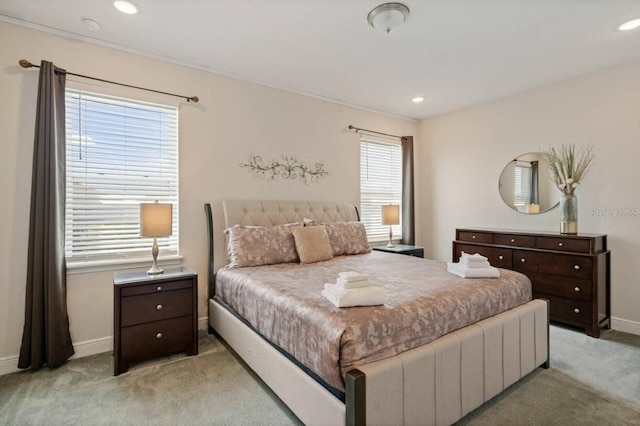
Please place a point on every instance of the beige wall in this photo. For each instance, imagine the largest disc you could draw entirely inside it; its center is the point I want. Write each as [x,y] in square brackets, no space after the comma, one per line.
[465,151]
[232,120]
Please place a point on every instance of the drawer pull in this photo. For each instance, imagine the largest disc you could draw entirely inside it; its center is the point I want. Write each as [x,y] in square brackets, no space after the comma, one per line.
[159,288]
[577,267]
[523,260]
[159,307]
[576,310]
[473,237]
[560,244]
[513,241]
[577,289]
[501,257]
[159,336]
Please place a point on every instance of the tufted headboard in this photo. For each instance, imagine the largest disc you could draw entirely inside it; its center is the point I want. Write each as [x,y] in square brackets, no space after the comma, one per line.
[226,213]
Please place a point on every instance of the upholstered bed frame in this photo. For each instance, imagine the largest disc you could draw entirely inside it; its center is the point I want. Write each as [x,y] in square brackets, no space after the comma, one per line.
[438,383]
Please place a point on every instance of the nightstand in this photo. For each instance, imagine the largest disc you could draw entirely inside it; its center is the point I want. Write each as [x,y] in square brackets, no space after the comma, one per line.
[154,315]
[416,251]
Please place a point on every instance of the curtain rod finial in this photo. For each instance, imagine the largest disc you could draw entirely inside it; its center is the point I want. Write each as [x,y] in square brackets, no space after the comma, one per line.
[193,99]
[24,63]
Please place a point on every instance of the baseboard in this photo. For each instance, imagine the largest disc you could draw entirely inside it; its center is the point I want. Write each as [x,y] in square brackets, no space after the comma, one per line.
[627,326]
[9,364]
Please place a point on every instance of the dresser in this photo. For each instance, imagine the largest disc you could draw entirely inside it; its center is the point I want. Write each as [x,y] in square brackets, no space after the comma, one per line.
[571,271]
[154,315]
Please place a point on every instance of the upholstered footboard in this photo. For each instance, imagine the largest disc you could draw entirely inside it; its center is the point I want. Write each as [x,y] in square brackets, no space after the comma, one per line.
[437,383]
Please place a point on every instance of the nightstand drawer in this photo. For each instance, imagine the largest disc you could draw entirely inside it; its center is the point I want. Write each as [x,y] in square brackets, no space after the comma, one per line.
[156,288]
[158,306]
[141,341]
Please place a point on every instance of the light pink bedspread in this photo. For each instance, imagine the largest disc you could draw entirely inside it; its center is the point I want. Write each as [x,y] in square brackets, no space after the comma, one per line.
[424,302]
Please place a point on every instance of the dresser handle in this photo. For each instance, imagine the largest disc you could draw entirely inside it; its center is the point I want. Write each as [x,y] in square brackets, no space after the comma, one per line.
[577,289]
[576,310]
[473,237]
[501,257]
[159,307]
[523,260]
[513,241]
[159,336]
[577,267]
[159,288]
[560,244]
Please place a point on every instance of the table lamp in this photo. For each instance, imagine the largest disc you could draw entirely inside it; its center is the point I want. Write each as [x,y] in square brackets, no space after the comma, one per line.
[390,216]
[155,221]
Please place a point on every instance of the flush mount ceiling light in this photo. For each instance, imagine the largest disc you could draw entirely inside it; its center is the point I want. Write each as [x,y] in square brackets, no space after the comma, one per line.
[417,99]
[388,16]
[126,7]
[630,25]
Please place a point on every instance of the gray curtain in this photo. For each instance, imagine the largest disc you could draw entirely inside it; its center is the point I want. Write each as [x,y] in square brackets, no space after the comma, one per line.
[408,216]
[46,338]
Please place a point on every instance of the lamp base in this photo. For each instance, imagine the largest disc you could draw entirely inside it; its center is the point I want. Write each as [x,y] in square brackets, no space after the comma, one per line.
[390,245]
[155,270]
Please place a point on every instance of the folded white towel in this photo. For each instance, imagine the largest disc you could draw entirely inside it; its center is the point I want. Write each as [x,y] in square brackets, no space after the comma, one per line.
[351,276]
[465,272]
[477,257]
[345,284]
[365,296]
[474,264]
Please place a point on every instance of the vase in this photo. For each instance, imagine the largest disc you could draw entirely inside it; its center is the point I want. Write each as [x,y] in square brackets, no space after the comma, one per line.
[568,214]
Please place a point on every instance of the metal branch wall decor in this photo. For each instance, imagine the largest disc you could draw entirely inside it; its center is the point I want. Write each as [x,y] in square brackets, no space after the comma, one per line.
[287,168]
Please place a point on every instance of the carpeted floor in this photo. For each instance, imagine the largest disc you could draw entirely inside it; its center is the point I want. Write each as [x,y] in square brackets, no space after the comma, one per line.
[591,382]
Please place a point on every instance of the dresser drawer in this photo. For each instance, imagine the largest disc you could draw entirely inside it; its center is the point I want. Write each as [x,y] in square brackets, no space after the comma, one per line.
[576,311]
[476,237]
[526,261]
[157,306]
[567,265]
[572,288]
[156,288]
[563,244]
[142,341]
[514,240]
[498,257]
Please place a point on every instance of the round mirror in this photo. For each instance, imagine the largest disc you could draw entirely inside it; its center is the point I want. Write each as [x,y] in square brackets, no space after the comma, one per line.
[525,185]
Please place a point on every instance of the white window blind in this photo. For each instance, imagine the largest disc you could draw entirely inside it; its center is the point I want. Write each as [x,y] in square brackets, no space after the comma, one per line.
[120,153]
[380,183]
[522,193]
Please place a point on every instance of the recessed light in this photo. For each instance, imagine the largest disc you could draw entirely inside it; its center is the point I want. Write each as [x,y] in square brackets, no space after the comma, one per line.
[630,25]
[417,99]
[126,7]
[91,24]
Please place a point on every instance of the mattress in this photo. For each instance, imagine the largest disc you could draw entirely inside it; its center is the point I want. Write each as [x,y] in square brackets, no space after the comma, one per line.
[283,303]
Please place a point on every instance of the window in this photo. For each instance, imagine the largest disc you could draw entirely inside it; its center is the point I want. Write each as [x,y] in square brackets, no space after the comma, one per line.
[120,153]
[380,183]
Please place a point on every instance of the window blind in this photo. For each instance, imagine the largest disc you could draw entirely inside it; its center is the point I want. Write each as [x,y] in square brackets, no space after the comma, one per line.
[380,183]
[120,153]
[522,192]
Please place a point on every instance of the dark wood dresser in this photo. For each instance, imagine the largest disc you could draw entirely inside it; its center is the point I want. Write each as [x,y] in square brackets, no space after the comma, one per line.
[571,271]
[154,315]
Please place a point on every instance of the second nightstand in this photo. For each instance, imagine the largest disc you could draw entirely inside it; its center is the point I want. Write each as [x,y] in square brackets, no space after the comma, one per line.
[416,251]
[154,315]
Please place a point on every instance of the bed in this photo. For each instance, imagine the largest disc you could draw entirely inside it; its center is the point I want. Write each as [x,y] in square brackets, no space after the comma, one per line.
[434,378]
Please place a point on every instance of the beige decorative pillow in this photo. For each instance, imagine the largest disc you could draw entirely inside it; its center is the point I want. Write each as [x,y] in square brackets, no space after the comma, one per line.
[259,245]
[312,243]
[347,238]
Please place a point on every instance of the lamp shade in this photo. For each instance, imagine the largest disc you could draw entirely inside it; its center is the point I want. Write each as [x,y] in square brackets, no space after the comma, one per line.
[155,219]
[391,214]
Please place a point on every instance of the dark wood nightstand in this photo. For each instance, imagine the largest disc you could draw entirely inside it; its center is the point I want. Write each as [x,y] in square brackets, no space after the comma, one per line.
[416,251]
[154,315]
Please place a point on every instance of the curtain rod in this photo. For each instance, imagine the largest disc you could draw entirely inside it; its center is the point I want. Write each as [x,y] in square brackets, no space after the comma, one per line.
[351,127]
[26,64]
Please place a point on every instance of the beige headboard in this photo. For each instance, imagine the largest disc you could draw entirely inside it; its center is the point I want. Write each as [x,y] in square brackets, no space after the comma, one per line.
[226,213]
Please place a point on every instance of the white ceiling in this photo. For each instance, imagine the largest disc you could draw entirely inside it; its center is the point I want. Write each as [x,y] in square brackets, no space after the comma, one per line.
[455,53]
